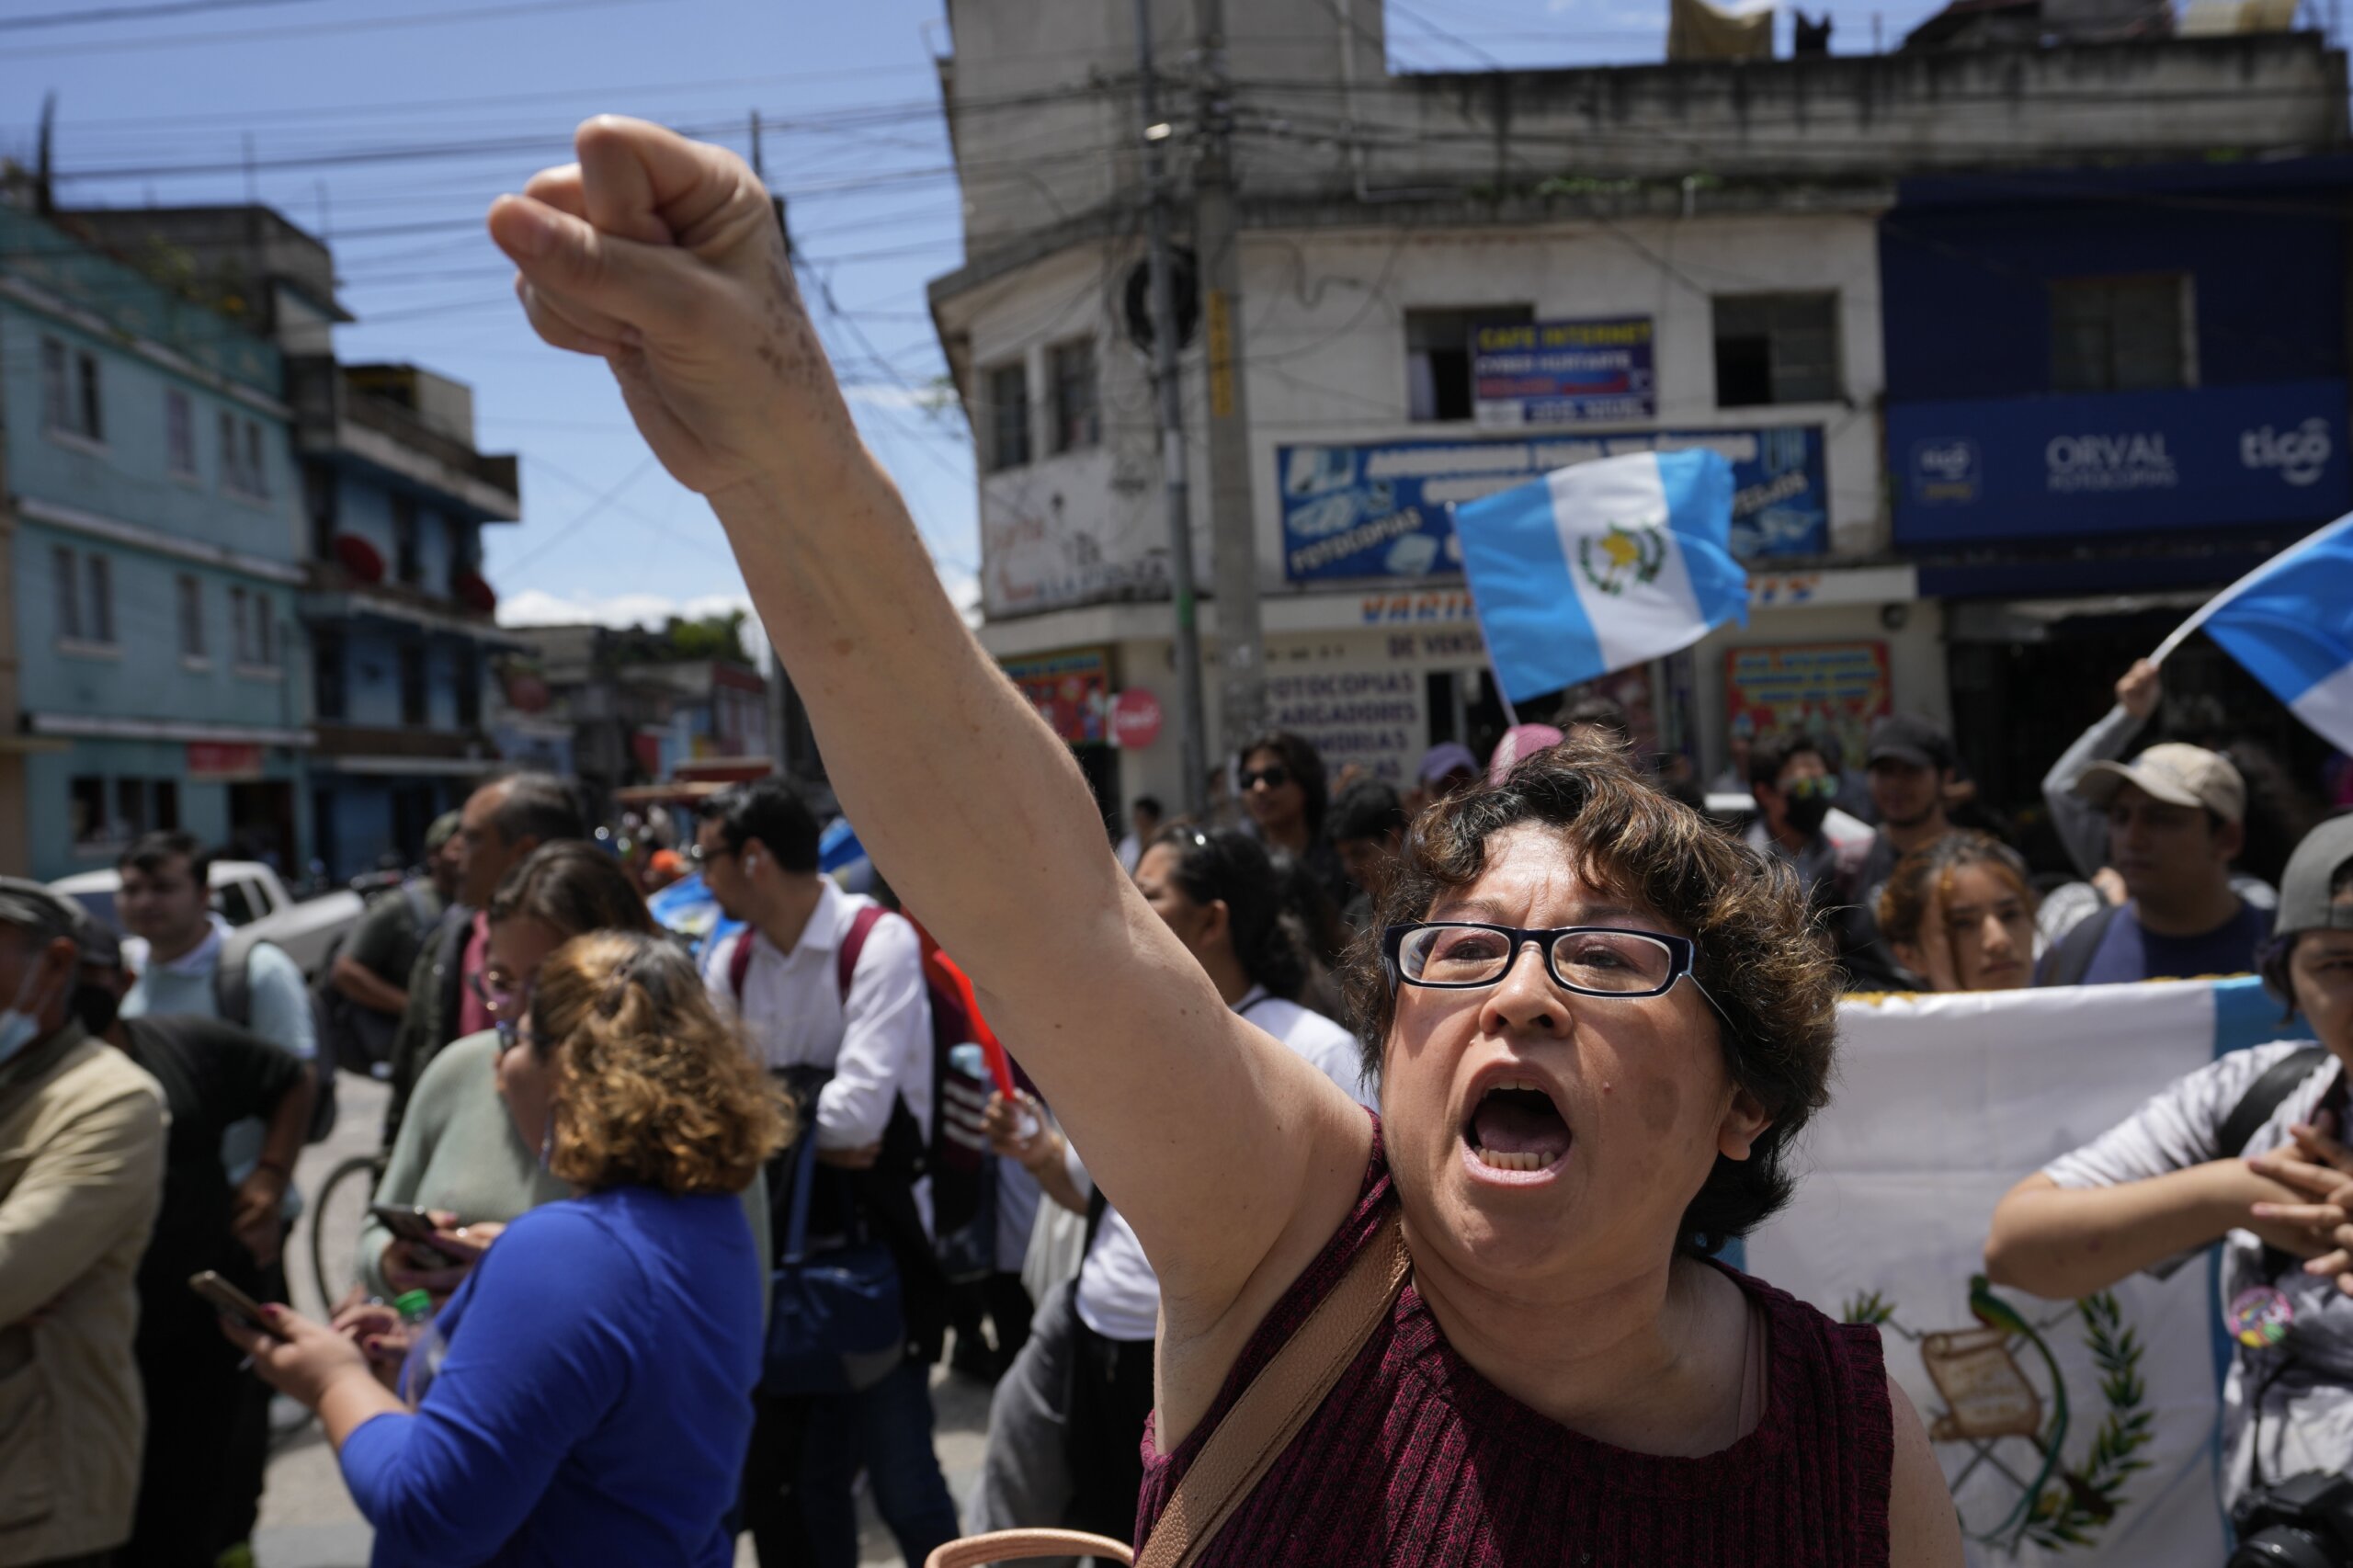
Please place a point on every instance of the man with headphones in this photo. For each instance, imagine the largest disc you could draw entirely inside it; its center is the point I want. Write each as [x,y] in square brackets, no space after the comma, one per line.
[831,994]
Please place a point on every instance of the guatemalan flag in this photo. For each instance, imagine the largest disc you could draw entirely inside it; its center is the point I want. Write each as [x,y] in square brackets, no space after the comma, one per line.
[2289,621]
[1596,567]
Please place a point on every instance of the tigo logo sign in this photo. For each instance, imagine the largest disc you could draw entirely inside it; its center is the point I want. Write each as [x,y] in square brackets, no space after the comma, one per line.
[1945,468]
[2300,455]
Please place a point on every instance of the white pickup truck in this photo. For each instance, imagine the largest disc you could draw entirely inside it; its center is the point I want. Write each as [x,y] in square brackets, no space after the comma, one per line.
[245,892]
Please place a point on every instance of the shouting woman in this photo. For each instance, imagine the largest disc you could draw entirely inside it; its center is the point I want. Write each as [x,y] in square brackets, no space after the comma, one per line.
[1596,1023]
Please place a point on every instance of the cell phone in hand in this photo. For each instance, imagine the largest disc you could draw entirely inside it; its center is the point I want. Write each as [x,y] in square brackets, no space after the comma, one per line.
[405,1221]
[229,1302]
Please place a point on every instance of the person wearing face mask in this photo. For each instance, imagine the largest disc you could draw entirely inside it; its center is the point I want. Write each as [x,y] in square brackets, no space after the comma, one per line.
[1959,912]
[213,1075]
[1796,821]
[81,1175]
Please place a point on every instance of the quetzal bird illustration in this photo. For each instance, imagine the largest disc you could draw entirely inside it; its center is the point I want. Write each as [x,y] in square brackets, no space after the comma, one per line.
[1994,1312]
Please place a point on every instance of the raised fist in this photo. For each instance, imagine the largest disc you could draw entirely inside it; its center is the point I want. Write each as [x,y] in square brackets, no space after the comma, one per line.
[663,256]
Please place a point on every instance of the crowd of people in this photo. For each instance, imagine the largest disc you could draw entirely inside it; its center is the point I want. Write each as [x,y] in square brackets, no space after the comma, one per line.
[669,1237]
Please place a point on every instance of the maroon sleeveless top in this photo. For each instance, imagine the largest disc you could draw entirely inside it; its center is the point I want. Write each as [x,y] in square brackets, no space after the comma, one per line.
[1414,1459]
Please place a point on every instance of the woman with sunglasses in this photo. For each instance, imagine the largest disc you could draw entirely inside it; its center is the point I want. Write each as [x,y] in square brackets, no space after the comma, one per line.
[1284,788]
[1598,1024]
[592,1400]
[458,1154]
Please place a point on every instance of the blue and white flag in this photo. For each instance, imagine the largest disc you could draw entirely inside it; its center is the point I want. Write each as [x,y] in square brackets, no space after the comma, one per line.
[2289,621]
[2072,1434]
[1596,567]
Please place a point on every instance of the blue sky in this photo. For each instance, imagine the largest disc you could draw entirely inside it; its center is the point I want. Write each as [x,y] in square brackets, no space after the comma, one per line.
[389,129]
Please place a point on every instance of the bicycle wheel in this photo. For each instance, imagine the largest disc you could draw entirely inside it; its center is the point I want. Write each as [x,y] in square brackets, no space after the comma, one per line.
[337,1210]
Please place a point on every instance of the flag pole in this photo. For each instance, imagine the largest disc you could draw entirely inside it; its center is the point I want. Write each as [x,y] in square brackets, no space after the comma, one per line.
[2181,633]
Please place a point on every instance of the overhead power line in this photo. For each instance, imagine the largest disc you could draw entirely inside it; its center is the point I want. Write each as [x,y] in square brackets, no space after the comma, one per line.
[274,35]
[91,17]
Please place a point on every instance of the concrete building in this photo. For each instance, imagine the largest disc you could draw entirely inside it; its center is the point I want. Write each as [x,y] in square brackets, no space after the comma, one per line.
[616,708]
[1716,227]
[154,562]
[399,621]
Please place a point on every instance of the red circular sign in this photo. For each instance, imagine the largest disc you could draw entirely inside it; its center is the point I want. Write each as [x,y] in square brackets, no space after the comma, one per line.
[1136,719]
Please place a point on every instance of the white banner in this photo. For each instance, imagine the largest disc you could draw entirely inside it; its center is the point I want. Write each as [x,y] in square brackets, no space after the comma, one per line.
[2075,1433]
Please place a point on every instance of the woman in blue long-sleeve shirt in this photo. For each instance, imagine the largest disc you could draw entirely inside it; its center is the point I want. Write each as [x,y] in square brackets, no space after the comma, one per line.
[594,1403]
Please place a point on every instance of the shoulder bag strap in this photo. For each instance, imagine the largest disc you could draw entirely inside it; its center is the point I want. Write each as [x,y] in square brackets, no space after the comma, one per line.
[739,963]
[861,925]
[2076,949]
[1278,1402]
[2264,1096]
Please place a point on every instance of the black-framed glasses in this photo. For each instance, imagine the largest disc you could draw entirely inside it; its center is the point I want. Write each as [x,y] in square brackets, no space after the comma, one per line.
[1591,960]
[1273,778]
[696,855]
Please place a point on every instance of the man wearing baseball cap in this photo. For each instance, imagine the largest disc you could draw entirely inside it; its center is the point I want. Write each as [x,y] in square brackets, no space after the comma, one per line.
[2176,817]
[81,1173]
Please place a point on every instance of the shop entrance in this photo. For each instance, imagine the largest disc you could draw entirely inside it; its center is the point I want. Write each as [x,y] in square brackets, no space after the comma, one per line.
[2020,701]
[261,824]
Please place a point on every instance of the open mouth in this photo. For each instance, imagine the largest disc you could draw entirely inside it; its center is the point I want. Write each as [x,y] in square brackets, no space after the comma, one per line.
[1516,1127]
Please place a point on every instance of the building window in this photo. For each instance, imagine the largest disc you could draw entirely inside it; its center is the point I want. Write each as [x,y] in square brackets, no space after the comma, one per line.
[327,693]
[413,698]
[86,797]
[167,805]
[257,465]
[179,433]
[2111,335]
[84,586]
[1777,348]
[1437,359]
[98,572]
[319,504]
[65,576]
[191,605]
[1008,415]
[1079,419]
[468,690]
[408,556]
[70,396]
[56,386]
[250,632]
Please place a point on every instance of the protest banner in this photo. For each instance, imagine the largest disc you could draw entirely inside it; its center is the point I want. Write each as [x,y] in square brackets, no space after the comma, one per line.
[2079,1433]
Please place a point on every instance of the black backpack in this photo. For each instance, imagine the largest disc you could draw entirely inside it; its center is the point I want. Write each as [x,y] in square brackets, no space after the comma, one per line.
[232,999]
[357,1039]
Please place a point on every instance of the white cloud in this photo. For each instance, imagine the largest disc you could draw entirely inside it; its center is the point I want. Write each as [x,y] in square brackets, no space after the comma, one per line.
[882,394]
[535,607]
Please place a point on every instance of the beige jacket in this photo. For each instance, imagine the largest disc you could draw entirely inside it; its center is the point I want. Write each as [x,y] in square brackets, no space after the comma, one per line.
[81,1175]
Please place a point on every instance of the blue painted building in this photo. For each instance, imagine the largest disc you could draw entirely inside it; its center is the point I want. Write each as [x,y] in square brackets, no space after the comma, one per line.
[400,620]
[153,545]
[389,496]
[2111,391]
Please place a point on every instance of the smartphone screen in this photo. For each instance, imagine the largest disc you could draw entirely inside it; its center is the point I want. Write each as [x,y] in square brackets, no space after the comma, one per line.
[232,1302]
[410,1224]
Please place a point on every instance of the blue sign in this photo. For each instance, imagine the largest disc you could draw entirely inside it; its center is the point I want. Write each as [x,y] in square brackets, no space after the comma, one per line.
[2126,462]
[1564,372]
[1385,511]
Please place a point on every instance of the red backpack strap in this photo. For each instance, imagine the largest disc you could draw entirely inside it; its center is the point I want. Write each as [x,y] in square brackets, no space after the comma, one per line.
[739,963]
[861,925]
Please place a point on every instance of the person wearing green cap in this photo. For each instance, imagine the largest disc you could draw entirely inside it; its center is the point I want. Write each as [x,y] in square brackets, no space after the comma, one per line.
[2249,1151]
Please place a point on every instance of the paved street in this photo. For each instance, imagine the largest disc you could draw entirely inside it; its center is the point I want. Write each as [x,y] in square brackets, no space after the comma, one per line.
[307,1519]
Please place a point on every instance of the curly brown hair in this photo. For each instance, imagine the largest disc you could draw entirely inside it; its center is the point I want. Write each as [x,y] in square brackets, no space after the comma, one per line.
[654,1088]
[1762,957]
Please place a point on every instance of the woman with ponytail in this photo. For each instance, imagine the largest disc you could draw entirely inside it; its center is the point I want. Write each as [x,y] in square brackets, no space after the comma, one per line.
[1089,1357]
[585,1396]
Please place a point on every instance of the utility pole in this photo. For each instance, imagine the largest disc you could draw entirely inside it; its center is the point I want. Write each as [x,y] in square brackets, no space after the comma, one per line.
[1194,734]
[1234,534]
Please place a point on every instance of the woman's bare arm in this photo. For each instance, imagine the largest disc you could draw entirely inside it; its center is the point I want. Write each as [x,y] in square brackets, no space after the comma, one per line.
[663,256]
[1923,1531]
